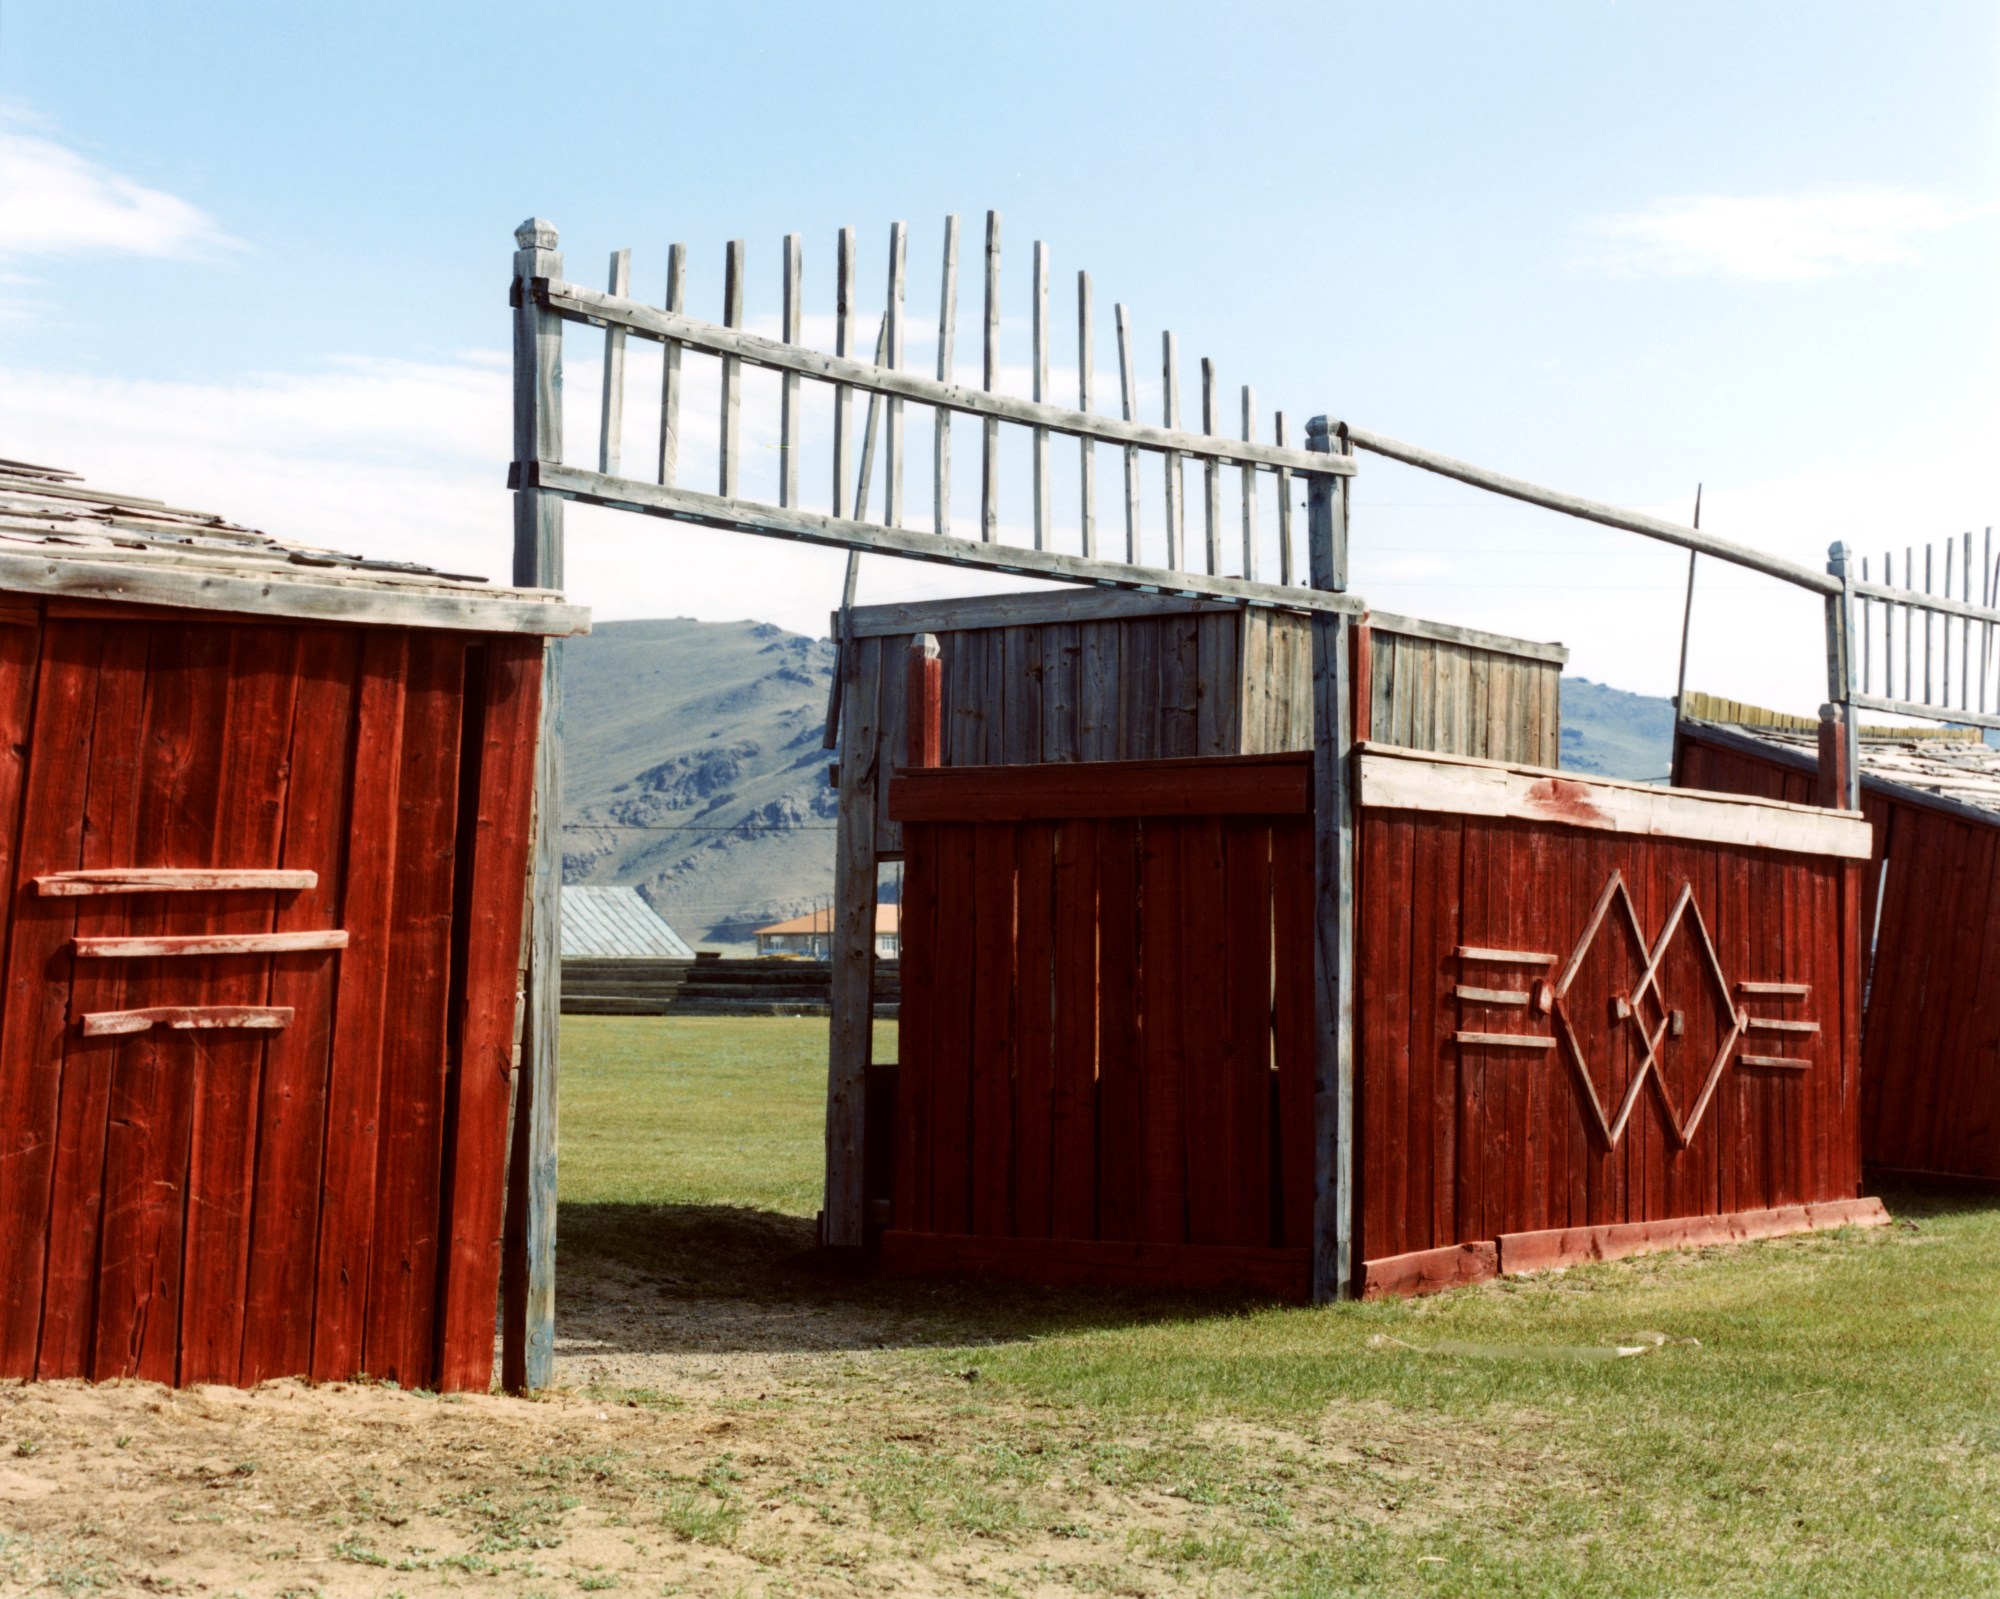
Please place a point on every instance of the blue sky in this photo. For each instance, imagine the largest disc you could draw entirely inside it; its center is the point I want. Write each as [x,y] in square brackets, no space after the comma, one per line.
[255,257]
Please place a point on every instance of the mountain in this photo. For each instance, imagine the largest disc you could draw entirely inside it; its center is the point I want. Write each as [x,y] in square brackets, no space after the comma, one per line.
[693,767]
[1610,733]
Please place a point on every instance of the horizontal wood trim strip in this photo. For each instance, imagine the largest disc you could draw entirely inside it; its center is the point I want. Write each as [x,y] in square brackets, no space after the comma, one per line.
[1506,957]
[768,521]
[186,587]
[1781,1062]
[592,306]
[1100,1263]
[1426,1271]
[187,1018]
[1934,713]
[1216,785]
[1472,638]
[1492,996]
[211,944]
[1916,600]
[1776,1024]
[1572,1246]
[1505,1040]
[1793,990]
[1394,779]
[166,880]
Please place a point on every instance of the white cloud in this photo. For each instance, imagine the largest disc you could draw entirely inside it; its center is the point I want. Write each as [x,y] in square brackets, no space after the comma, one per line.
[56,202]
[1773,238]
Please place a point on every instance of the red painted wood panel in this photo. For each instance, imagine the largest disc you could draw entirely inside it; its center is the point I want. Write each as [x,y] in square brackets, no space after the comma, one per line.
[1433,884]
[493,862]
[1034,1030]
[1074,1199]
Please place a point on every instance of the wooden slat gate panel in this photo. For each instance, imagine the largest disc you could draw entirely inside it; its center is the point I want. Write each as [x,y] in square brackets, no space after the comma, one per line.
[1102,1071]
[1519,1073]
[319,1195]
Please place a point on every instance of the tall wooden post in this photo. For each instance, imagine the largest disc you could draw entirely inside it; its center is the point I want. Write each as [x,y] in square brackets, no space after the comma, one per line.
[1333,887]
[528,1337]
[851,1033]
[1840,682]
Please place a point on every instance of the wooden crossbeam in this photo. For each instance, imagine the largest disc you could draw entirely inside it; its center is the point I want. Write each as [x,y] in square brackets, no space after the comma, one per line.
[187,1018]
[166,880]
[211,944]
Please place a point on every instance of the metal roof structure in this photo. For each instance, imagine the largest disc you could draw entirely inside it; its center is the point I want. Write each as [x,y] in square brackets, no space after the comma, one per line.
[616,924]
[60,537]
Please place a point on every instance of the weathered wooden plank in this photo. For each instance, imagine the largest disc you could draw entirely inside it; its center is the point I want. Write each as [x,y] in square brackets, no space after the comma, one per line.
[845,288]
[611,413]
[1246,962]
[1062,666]
[772,522]
[1212,1199]
[946,354]
[188,1018]
[1557,1247]
[1087,447]
[989,478]
[1033,1030]
[1073,1199]
[1031,608]
[1097,692]
[1292,1023]
[1211,473]
[1163,1051]
[851,1031]
[1284,506]
[1128,394]
[1249,485]
[1170,388]
[580,304]
[1426,1271]
[211,944]
[168,880]
[492,874]
[399,1339]
[671,383]
[1401,780]
[1044,524]
[730,447]
[789,446]
[892,430]
[291,1106]
[993,1135]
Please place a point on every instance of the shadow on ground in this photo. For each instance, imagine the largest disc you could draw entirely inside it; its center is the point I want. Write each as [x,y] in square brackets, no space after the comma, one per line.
[649,1279]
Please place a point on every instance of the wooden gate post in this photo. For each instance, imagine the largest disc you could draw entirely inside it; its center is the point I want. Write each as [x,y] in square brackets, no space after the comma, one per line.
[528,1335]
[1333,888]
[1840,681]
[851,1031]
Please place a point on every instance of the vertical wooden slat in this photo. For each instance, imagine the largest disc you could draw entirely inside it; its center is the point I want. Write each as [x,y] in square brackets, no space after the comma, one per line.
[247,829]
[1087,446]
[1097,692]
[1033,1030]
[1211,473]
[1044,525]
[110,824]
[892,432]
[925,984]
[850,1033]
[1170,388]
[950,1205]
[1128,393]
[788,391]
[989,479]
[947,350]
[354,1096]
[1062,666]
[1333,877]
[1284,504]
[1247,954]
[843,396]
[494,863]
[1073,1201]
[400,1339]
[528,1326]
[284,1209]
[1249,486]
[1293,901]
[611,415]
[1162,1037]
[1205,971]
[992,1154]
[1121,1068]
[732,375]
[670,369]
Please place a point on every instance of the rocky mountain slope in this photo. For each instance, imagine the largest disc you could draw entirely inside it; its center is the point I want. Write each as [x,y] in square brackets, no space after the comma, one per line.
[694,768]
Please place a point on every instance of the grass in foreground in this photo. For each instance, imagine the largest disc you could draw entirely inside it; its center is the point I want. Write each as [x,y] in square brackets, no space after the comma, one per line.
[1822,1421]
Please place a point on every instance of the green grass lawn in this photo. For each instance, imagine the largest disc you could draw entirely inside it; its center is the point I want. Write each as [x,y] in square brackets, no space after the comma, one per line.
[1822,1419]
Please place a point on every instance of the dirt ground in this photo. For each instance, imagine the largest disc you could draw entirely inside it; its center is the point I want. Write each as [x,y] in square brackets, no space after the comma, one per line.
[695,1443]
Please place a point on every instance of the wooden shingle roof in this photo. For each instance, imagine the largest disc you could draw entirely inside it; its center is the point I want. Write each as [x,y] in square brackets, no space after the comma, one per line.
[60,536]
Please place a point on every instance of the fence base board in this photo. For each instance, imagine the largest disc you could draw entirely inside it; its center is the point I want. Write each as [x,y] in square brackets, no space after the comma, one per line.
[1425,1271]
[1101,1263]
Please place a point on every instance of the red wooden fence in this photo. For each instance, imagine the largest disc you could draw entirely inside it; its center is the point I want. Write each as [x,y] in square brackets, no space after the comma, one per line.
[1586,1007]
[319,1197]
[1105,1063]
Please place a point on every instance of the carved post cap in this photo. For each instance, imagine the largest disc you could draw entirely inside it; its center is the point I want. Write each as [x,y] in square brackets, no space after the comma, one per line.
[536,234]
[1318,428]
[925,645]
[1838,551]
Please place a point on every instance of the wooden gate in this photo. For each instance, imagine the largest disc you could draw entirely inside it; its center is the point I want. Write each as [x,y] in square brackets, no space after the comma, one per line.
[1105,1066]
[1591,1012]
